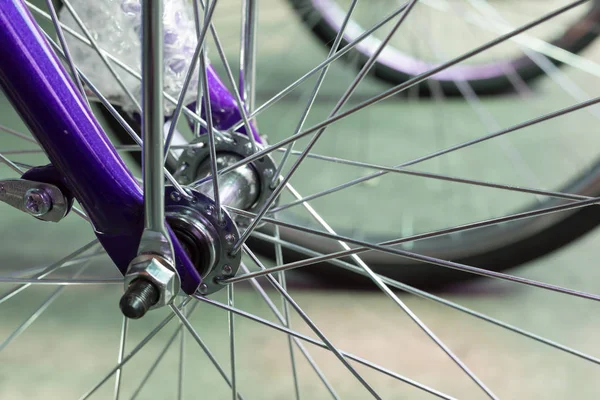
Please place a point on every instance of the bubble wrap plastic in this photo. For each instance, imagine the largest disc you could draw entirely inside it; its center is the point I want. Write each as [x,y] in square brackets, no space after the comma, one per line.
[116,26]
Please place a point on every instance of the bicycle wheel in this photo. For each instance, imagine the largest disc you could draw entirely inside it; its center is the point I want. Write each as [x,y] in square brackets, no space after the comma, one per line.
[392,207]
[404,58]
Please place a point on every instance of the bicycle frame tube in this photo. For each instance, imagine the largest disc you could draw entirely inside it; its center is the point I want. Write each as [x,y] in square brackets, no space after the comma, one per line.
[49,103]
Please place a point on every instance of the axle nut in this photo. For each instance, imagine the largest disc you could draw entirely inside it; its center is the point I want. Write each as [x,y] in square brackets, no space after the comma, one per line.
[159,272]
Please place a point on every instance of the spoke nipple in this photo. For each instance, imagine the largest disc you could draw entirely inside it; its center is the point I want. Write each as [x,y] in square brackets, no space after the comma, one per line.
[138,298]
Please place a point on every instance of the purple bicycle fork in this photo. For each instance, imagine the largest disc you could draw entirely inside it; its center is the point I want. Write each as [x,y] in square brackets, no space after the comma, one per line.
[42,92]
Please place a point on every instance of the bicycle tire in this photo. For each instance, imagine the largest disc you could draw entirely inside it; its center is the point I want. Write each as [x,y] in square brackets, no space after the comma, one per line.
[574,39]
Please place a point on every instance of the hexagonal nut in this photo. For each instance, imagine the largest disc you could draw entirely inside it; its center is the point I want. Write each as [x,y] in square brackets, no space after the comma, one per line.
[158,271]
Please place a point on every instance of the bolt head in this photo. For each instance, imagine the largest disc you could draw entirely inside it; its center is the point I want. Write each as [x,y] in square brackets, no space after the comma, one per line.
[37,202]
[203,289]
[268,173]
[230,238]
[175,196]
[226,270]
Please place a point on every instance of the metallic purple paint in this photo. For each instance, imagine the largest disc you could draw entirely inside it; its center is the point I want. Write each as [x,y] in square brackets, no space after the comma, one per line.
[42,92]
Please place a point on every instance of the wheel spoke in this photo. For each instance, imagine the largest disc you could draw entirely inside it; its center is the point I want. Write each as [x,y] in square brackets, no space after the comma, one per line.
[63,43]
[558,195]
[211,136]
[133,352]
[37,313]
[365,246]
[541,60]
[534,44]
[389,293]
[158,359]
[51,268]
[429,296]
[122,342]
[200,342]
[181,369]
[312,325]
[198,55]
[315,92]
[442,263]
[231,325]
[112,58]
[286,315]
[430,156]
[61,282]
[105,60]
[419,78]
[257,286]
[345,97]
[322,65]
[18,134]
[324,346]
[235,91]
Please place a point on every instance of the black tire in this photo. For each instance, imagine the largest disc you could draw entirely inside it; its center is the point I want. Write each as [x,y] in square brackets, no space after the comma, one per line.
[576,38]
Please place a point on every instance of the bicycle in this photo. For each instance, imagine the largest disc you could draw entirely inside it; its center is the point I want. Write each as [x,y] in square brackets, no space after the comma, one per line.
[201,249]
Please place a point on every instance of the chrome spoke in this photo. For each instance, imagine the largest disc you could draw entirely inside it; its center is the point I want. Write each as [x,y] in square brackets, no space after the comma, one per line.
[312,325]
[231,325]
[158,359]
[365,246]
[322,65]
[122,342]
[18,134]
[257,286]
[558,195]
[61,282]
[534,44]
[235,91]
[11,164]
[188,77]
[324,346]
[199,91]
[36,314]
[112,58]
[505,131]
[181,369]
[211,136]
[345,97]
[429,296]
[200,342]
[286,316]
[315,92]
[63,43]
[104,59]
[419,78]
[133,352]
[51,268]
[430,156]
[389,293]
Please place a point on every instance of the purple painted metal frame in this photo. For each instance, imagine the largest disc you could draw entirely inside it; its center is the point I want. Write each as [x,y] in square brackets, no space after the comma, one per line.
[49,103]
